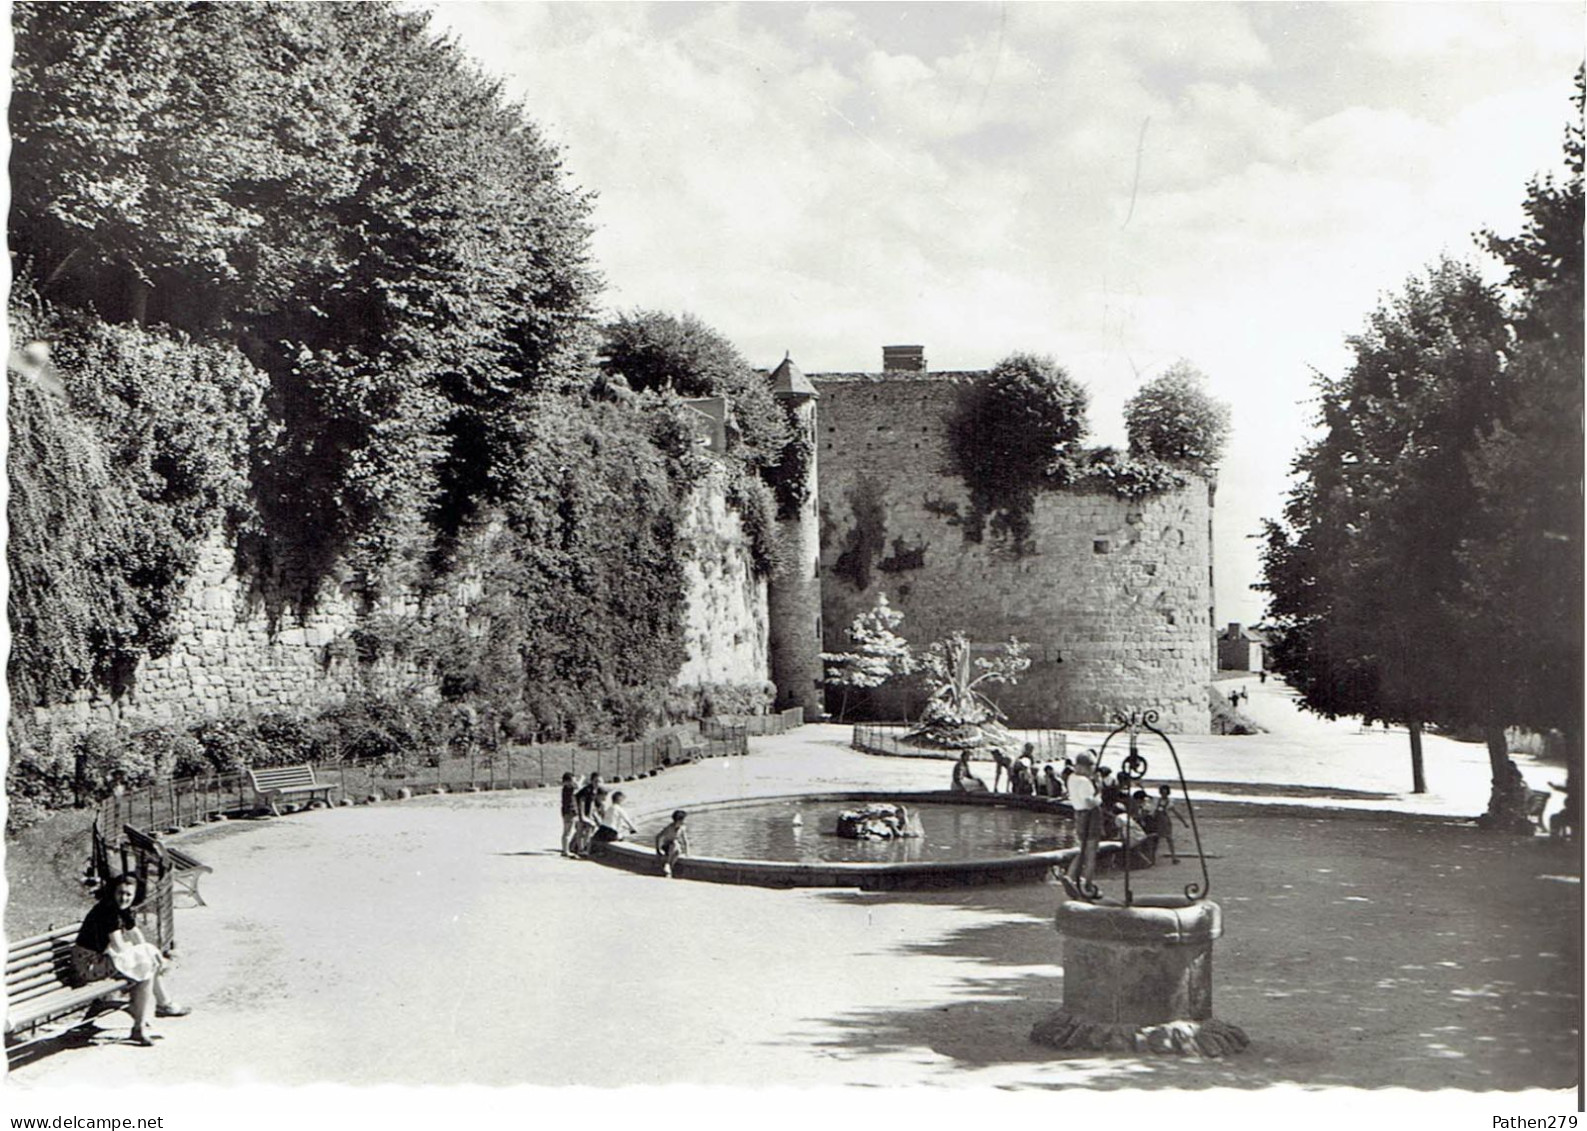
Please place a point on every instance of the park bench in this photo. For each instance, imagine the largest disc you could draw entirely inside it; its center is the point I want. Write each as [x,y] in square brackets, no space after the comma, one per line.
[1536,802]
[35,992]
[184,869]
[280,783]
[675,750]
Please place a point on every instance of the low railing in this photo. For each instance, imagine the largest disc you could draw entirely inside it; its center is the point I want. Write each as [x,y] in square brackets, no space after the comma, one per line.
[887,738]
[778,722]
[179,802]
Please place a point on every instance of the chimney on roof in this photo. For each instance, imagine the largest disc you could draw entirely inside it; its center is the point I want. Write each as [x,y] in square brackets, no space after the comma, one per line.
[903,359]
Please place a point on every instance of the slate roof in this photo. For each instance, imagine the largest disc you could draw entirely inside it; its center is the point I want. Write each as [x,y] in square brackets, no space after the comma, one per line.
[787,380]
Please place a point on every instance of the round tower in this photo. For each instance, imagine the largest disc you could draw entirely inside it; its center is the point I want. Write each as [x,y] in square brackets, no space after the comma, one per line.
[794,598]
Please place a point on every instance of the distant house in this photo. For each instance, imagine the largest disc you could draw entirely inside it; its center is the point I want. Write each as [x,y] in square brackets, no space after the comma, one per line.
[1241,649]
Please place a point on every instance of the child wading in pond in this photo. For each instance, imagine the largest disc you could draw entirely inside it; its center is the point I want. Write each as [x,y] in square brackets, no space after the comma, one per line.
[672,842]
[1163,818]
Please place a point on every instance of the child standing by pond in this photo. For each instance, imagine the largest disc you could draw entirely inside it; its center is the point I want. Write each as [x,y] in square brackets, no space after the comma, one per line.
[1163,818]
[570,812]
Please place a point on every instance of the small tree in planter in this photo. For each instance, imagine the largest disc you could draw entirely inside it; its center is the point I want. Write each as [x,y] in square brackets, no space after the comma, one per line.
[959,715]
[879,653]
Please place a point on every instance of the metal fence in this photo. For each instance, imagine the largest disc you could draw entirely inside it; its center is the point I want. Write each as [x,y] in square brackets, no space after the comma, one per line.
[888,738]
[177,803]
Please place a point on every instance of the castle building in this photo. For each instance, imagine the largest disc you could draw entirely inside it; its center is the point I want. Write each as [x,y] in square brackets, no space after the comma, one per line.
[1111,595]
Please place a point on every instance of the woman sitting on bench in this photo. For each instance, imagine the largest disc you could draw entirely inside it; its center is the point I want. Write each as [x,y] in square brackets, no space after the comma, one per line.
[111,943]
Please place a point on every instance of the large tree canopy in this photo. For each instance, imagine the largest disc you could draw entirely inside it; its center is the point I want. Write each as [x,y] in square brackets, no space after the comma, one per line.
[1524,555]
[340,193]
[652,350]
[1429,566]
[306,272]
[1365,580]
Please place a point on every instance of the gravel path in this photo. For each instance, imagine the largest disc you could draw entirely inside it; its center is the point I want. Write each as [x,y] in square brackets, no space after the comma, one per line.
[444,941]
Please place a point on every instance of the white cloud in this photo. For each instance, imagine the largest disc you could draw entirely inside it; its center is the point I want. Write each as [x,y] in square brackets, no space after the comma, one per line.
[1431,31]
[827,178]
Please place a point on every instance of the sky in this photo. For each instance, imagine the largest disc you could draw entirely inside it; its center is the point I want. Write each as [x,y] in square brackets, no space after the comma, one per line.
[1117,185]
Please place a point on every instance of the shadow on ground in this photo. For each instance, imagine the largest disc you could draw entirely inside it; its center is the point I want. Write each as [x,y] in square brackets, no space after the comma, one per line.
[1359,950]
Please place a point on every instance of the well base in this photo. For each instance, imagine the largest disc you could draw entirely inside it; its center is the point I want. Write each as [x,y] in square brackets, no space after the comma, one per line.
[1211,1037]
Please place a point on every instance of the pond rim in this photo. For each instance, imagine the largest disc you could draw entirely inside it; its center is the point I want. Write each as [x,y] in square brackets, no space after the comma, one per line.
[1029,867]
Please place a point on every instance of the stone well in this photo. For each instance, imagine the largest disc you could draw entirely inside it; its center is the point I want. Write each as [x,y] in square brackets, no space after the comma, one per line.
[1139,979]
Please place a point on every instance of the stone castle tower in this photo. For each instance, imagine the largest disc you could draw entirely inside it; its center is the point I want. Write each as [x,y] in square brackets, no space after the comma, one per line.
[794,599]
[1112,598]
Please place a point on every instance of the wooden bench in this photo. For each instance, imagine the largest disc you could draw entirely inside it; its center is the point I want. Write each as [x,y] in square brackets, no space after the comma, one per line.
[279,783]
[1536,802]
[184,869]
[35,992]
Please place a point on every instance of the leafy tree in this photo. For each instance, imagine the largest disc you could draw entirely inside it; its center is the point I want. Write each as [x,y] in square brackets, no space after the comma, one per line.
[877,653]
[1172,417]
[1364,579]
[1010,433]
[346,198]
[652,350]
[1524,554]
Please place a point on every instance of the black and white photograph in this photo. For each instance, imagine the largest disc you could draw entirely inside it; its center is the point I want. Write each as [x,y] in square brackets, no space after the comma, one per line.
[741,564]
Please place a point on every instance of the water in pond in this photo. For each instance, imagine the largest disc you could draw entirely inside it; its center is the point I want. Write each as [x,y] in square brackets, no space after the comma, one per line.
[768,831]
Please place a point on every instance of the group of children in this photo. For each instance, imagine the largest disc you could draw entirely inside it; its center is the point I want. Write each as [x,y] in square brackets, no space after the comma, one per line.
[1126,811]
[591,815]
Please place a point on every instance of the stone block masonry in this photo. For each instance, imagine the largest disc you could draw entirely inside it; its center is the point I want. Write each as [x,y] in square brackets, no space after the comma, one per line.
[1114,599]
[230,656]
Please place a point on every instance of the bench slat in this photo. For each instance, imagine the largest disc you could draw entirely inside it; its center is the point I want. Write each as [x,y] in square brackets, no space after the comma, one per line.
[62,1001]
[283,779]
[277,782]
[18,956]
[39,984]
[186,863]
[23,946]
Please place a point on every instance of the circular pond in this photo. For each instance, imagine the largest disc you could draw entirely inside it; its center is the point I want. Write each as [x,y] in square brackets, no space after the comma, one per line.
[793,841]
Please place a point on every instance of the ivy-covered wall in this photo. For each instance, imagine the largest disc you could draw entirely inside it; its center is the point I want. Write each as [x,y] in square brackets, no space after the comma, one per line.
[1112,593]
[231,655]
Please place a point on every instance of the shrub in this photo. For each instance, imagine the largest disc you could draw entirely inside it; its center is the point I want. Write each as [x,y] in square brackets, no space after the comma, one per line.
[114,492]
[40,773]
[108,759]
[1226,719]
[172,752]
[293,738]
[397,731]
[231,743]
[1126,476]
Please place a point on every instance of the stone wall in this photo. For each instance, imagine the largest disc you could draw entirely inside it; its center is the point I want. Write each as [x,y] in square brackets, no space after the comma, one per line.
[725,615]
[232,656]
[1115,600]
